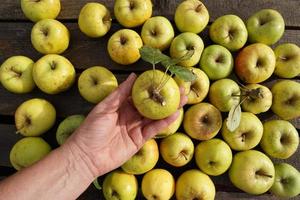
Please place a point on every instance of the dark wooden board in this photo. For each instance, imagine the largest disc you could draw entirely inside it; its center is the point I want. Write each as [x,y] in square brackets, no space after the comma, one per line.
[11,9]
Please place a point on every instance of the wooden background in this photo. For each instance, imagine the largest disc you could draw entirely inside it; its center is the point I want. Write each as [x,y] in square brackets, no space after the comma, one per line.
[85,52]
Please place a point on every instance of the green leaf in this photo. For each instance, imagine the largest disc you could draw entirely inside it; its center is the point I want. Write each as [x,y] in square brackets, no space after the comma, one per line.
[175,61]
[96,184]
[234,117]
[152,55]
[183,73]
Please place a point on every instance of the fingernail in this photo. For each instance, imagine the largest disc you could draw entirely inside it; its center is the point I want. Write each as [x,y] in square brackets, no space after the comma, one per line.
[131,76]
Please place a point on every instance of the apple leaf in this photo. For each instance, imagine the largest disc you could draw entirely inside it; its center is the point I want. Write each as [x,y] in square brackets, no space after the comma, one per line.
[96,184]
[152,55]
[175,61]
[234,117]
[183,73]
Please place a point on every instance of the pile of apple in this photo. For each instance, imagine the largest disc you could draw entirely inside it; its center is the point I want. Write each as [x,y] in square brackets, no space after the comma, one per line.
[205,73]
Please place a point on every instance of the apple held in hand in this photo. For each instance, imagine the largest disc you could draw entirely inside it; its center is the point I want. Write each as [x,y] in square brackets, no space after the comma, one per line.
[252,171]
[229,31]
[53,74]
[49,36]
[34,117]
[96,83]
[202,121]
[120,185]
[28,151]
[193,184]
[217,62]
[40,9]
[123,46]
[255,63]
[286,99]
[191,16]
[280,139]
[16,74]
[94,20]
[287,60]
[132,13]
[158,184]
[265,26]
[157,32]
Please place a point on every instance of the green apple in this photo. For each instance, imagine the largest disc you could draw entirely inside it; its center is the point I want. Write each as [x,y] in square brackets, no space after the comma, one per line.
[28,151]
[213,157]
[153,99]
[67,127]
[34,117]
[173,127]
[217,62]
[94,20]
[37,10]
[177,149]
[193,184]
[16,74]
[49,36]
[258,98]
[224,94]
[265,26]
[157,32]
[158,184]
[255,63]
[197,90]
[144,160]
[96,83]
[53,74]
[191,16]
[287,60]
[280,139]
[252,171]
[202,121]
[185,42]
[120,185]
[123,46]
[229,31]
[287,181]
[247,135]
[286,99]
[132,13]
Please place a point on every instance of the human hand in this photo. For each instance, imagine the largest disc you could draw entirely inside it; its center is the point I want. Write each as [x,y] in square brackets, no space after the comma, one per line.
[114,130]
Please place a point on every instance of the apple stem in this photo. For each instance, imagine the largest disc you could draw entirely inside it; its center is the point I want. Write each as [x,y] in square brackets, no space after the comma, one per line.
[195,90]
[183,154]
[282,58]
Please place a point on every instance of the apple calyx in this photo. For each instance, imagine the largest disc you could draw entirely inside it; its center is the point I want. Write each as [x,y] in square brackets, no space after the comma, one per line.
[115,195]
[17,73]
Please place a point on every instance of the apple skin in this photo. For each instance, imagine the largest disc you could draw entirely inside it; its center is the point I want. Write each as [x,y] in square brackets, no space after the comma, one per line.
[265,26]
[255,63]
[286,99]
[177,149]
[221,94]
[34,117]
[158,184]
[280,139]
[146,104]
[157,32]
[89,22]
[258,105]
[53,74]
[197,90]
[229,31]
[287,181]
[252,171]
[123,46]
[213,157]
[96,83]
[16,74]
[120,185]
[50,36]
[28,151]
[39,10]
[202,121]
[132,13]
[217,62]
[247,135]
[287,60]
[194,184]
[191,16]
[173,127]
[144,160]
[185,42]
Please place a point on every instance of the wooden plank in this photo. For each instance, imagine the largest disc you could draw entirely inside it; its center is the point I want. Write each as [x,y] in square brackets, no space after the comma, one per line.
[11,10]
